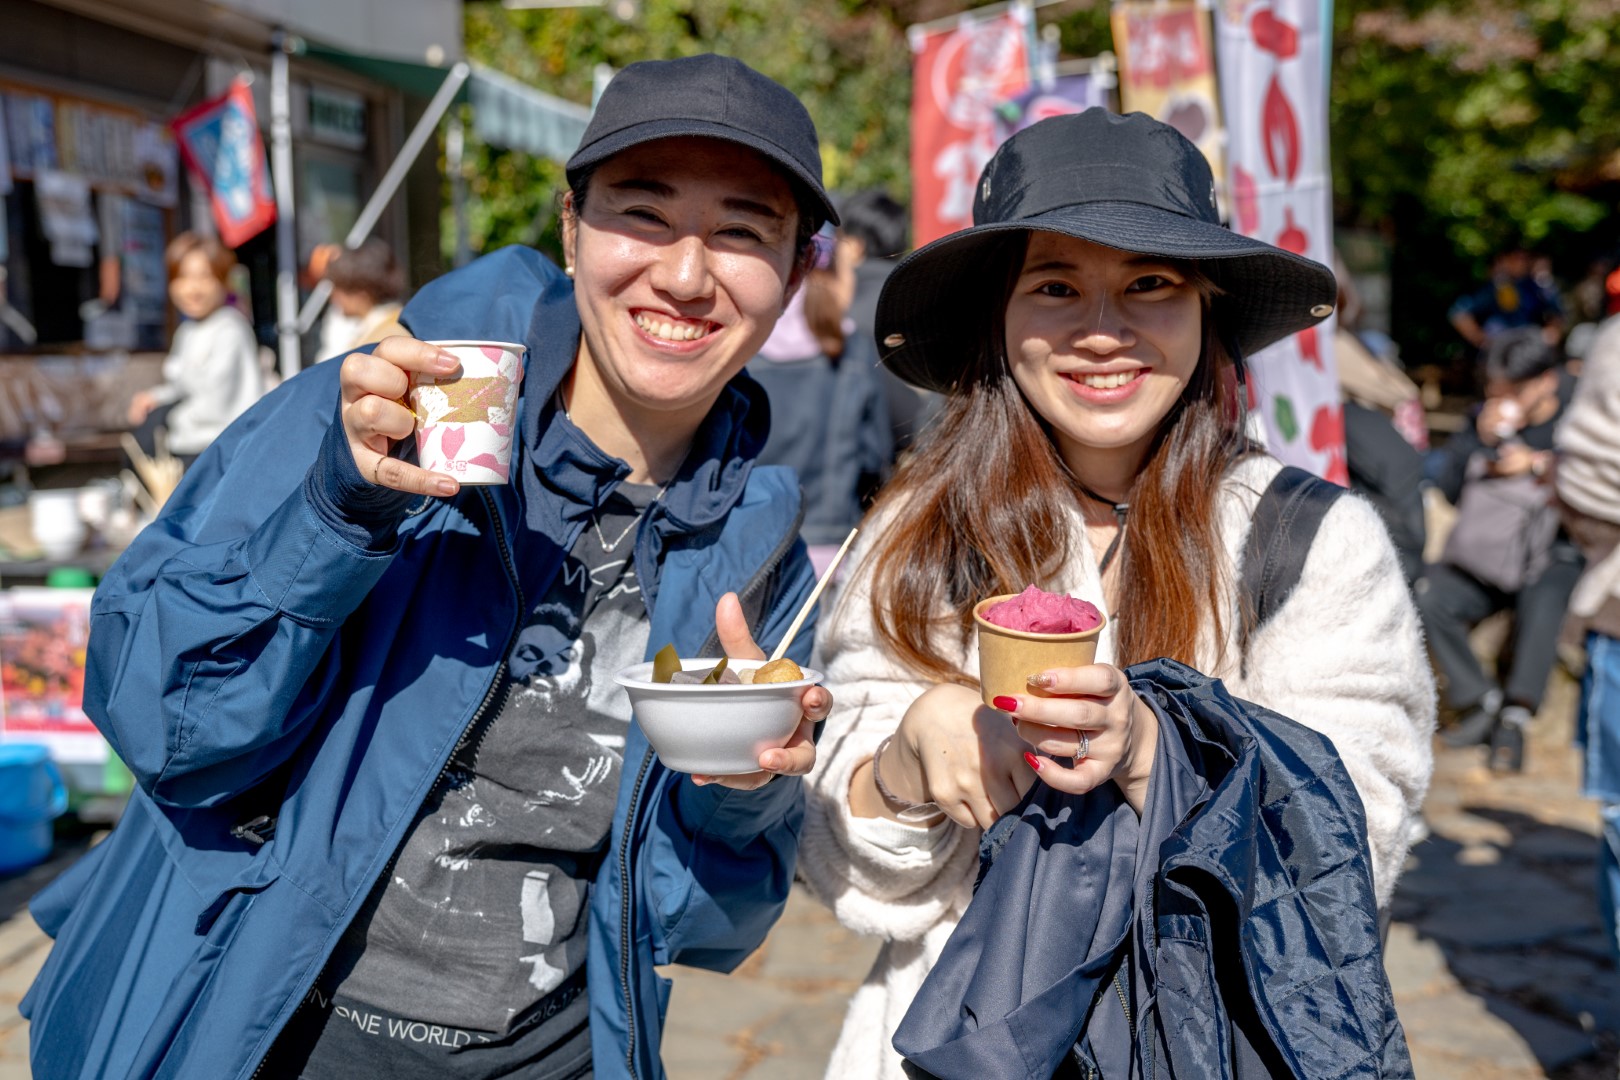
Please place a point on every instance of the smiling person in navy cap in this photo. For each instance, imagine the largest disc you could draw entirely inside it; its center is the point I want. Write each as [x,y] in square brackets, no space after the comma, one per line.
[393,817]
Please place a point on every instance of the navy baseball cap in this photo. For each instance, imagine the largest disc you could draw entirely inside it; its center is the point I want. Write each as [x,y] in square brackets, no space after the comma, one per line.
[717,97]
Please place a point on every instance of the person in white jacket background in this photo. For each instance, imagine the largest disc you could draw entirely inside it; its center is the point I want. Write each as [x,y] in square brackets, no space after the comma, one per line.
[1087,333]
[212,372]
[1588,481]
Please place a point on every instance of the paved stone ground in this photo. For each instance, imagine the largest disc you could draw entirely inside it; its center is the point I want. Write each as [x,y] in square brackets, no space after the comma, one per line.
[1498,967]
[23,949]
[776,1017]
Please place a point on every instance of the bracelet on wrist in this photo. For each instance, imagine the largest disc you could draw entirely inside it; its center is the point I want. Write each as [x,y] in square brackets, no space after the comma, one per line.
[904,809]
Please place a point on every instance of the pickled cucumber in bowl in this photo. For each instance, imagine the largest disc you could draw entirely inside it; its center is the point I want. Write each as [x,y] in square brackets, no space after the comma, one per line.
[667,669]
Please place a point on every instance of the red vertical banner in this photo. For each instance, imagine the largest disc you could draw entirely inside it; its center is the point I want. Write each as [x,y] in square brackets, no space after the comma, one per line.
[959,76]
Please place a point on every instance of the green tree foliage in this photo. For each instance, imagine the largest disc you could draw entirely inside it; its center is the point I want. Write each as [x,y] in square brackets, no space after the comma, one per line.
[1460,129]
[1458,126]
[847,60]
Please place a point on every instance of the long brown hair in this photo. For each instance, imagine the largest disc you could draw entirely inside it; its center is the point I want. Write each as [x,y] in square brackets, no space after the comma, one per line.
[984,503]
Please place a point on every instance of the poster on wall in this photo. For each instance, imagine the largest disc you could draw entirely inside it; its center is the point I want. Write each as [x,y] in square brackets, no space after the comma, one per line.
[43,634]
[146,278]
[959,76]
[157,165]
[30,131]
[220,143]
[1167,70]
[66,216]
[1274,78]
[115,149]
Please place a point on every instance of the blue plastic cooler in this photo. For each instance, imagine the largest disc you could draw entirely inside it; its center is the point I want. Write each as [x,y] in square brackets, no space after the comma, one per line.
[32,795]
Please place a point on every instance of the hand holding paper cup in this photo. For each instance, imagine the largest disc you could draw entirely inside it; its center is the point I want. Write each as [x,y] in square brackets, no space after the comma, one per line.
[466,422]
[1024,634]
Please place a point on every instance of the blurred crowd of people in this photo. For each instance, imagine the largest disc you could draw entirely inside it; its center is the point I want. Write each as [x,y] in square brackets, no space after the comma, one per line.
[1517,511]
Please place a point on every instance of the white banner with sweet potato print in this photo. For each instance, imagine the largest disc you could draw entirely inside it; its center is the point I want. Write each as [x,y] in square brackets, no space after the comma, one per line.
[1273,57]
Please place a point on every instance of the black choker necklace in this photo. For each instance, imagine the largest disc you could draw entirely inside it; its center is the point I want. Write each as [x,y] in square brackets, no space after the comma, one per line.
[1120,510]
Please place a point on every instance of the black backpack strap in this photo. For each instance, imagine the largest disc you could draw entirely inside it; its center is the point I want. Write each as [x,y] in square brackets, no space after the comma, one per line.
[1285,523]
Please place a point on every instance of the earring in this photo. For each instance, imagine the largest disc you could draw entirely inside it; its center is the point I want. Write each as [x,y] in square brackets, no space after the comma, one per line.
[569,270]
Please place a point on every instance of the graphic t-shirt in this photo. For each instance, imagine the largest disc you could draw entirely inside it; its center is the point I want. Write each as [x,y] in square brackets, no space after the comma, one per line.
[468,959]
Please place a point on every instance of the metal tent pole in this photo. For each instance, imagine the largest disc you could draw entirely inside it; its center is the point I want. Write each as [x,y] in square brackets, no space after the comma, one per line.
[454,148]
[390,182]
[281,166]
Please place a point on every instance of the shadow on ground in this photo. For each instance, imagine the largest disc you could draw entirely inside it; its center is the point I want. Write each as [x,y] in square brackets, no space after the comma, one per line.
[73,839]
[1506,905]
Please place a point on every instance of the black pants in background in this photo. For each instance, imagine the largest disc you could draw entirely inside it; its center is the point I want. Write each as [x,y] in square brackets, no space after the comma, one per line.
[146,434]
[1452,603]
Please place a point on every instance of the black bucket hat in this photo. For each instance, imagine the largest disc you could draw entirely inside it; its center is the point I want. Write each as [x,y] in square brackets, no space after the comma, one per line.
[1126,182]
[709,95]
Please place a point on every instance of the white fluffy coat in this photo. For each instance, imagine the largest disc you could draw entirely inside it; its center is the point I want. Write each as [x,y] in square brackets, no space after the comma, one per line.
[1344,656]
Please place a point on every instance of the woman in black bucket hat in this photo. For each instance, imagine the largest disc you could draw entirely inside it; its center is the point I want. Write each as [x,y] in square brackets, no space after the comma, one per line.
[1089,331]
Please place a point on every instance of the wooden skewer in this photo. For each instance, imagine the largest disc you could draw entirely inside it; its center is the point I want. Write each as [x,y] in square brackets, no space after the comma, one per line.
[815,594]
[138,489]
[133,449]
[158,476]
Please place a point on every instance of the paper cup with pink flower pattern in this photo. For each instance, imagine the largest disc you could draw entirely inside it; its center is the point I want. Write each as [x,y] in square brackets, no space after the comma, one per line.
[465,422]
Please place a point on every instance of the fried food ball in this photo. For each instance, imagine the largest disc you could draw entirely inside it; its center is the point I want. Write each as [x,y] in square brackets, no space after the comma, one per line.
[783,670]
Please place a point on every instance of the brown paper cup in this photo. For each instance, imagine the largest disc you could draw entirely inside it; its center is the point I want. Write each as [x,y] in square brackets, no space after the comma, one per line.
[1007,658]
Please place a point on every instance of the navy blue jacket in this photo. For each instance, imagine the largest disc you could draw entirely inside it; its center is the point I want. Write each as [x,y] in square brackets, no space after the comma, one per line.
[1229,934]
[249,659]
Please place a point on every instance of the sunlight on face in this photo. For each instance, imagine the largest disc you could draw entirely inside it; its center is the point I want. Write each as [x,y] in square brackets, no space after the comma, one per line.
[683,258]
[1101,342]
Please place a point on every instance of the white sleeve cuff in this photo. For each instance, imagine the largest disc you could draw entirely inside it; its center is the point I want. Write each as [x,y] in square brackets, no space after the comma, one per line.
[898,838]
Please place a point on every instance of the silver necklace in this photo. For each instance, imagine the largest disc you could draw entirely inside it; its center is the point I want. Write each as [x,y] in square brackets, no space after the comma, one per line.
[596,522]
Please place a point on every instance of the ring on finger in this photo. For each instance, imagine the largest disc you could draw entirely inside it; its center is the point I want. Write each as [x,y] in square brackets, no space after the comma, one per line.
[1082,747]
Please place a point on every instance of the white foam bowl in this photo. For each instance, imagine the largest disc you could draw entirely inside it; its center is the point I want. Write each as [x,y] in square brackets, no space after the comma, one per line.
[714,730]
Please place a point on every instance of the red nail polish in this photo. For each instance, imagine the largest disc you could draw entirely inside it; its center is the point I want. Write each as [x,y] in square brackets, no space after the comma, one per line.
[1005,704]
[1033,761]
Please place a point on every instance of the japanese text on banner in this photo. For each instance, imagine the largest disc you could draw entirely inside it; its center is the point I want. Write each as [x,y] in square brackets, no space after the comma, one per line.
[959,76]
[1167,71]
[220,143]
